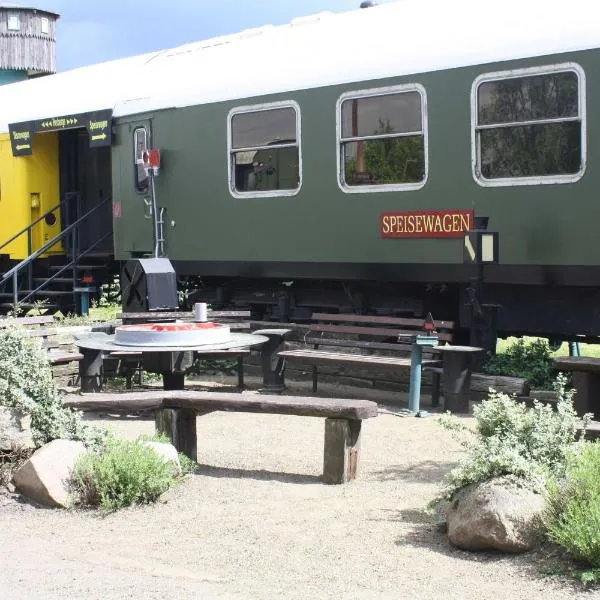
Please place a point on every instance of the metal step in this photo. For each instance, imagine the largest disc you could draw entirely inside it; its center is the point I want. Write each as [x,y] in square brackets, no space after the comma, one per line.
[79,267]
[68,280]
[102,255]
[39,294]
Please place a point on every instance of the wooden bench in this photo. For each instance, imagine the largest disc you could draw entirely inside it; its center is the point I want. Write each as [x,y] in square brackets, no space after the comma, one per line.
[585,372]
[176,412]
[365,335]
[50,337]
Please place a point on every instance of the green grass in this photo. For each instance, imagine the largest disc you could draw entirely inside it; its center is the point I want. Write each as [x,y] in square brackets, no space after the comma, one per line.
[585,349]
[107,312]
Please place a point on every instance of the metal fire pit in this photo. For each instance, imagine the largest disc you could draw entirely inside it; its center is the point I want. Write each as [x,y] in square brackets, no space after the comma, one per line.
[169,359]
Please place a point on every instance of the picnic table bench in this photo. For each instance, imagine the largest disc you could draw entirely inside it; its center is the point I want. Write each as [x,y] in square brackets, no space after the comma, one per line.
[176,412]
[585,372]
[365,335]
[38,327]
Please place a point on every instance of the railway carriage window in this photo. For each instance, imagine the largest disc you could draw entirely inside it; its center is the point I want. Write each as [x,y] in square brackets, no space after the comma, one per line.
[140,145]
[382,139]
[530,128]
[264,150]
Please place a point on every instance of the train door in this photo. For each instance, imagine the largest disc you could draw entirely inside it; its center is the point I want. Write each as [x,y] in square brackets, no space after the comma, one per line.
[86,184]
[139,213]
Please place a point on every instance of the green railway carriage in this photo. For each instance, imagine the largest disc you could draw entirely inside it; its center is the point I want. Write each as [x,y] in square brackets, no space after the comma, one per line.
[337,162]
[309,179]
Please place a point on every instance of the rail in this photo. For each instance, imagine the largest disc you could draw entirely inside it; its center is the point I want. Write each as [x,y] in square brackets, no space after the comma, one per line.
[73,231]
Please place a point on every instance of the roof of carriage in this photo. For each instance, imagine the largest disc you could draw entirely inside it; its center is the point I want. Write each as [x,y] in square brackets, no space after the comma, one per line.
[86,89]
[391,39]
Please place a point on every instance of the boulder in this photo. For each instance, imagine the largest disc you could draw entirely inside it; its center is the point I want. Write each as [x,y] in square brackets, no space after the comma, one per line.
[168,452]
[495,515]
[15,430]
[45,476]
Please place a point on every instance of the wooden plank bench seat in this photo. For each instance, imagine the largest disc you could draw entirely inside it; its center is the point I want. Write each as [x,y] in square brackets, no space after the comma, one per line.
[39,327]
[26,321]
[64,358]
[176,412]
[365,335]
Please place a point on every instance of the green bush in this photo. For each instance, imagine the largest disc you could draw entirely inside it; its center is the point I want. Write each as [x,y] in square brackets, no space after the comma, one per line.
[529,445]
[573,519]
[188,466]
[125,473]
[26,384]
[532,360]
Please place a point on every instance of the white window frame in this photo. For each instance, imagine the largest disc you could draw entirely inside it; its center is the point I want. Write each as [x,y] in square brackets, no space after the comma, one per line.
[370,93]
[45,25]
[139,161]
[514,74]
[231,151]
[13,22]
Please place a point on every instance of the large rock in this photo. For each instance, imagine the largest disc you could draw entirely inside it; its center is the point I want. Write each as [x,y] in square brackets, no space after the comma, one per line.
[495,515]
[15,430]
[168,453]
[45,476]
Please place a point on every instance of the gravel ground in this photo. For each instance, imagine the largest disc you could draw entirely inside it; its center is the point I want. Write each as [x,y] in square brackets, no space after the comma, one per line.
[256,523]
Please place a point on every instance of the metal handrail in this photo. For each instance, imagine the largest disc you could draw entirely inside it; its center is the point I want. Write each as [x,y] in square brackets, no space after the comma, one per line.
[31,225]
[14,272]
[51,243]
[67,266]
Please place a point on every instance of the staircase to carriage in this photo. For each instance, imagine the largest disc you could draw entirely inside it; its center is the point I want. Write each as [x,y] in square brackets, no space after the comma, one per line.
[64,274]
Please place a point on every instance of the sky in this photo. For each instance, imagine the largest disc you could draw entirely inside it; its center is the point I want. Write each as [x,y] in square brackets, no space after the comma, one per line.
[92,31]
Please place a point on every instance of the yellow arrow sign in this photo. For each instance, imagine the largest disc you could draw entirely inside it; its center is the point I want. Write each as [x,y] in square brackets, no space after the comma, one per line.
[101,136]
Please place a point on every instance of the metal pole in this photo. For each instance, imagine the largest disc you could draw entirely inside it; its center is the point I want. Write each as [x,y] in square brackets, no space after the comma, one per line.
[414,394]
[74,259]
[29,266]
[15,290]
[154,213]
[85,302]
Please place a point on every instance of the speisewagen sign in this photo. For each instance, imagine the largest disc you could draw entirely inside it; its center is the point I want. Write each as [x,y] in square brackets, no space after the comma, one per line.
[426,223]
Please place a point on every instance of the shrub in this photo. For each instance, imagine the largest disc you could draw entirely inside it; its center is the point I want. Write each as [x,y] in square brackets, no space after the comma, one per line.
[187,464]
[125,473]
[573,519]
[26,383]
[532,360]
[528,445]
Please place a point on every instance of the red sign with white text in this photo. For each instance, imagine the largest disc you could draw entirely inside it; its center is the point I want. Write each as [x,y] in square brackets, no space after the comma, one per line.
[426,223]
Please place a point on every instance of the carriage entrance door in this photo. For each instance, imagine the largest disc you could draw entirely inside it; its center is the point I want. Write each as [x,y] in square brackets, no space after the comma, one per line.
[138,212]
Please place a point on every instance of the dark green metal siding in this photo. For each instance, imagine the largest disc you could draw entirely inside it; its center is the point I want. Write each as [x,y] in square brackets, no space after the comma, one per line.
[538,224]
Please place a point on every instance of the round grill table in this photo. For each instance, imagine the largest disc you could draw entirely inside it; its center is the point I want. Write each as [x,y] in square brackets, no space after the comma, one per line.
[168,360]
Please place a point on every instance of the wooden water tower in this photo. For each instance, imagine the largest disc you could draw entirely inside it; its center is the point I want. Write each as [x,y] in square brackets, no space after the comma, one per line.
[27,42]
